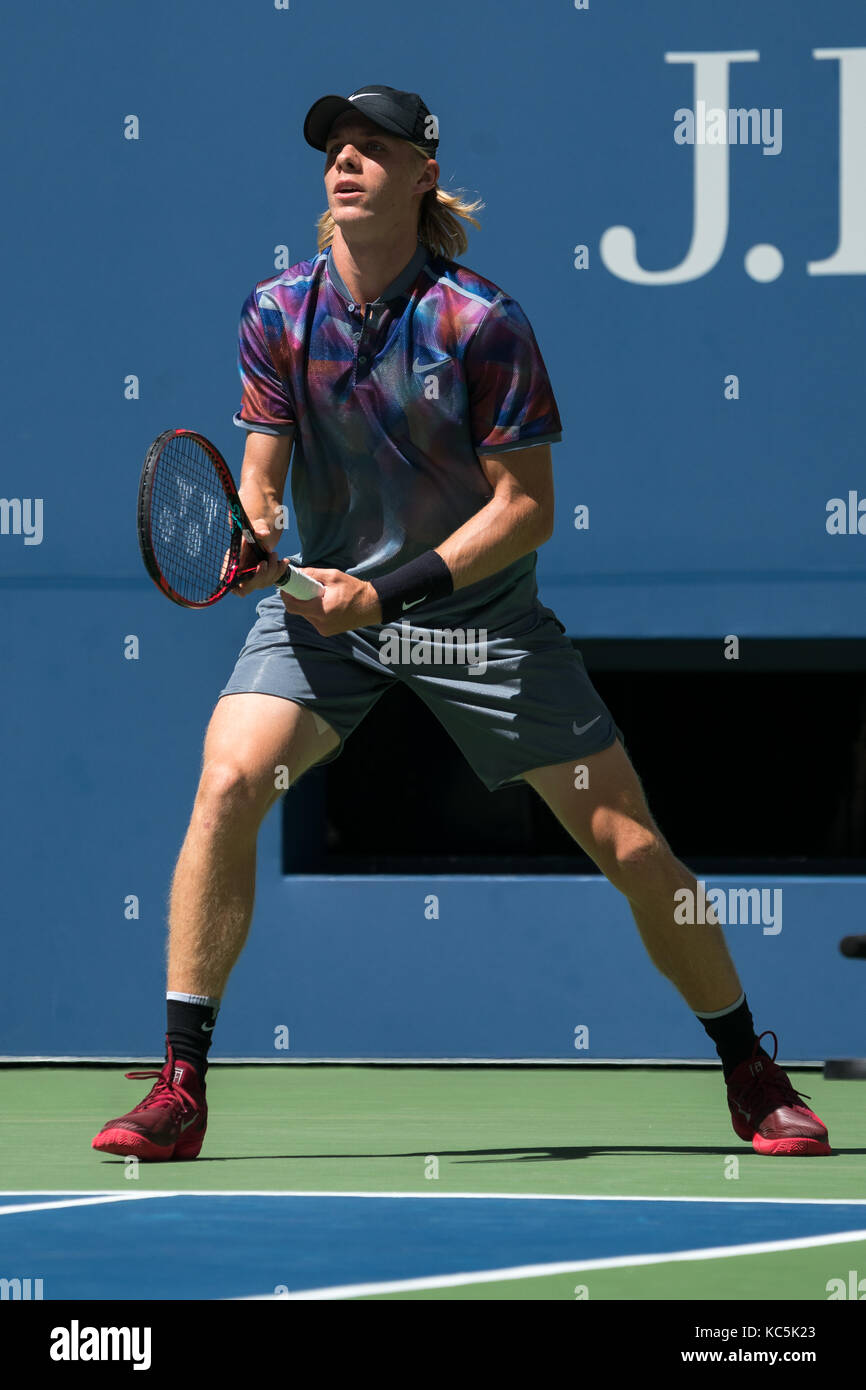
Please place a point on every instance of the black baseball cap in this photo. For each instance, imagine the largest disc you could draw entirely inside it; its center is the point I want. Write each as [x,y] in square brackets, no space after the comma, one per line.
[400,113]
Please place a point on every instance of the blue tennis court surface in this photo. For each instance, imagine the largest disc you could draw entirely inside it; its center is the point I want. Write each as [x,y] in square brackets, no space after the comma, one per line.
[241,1245]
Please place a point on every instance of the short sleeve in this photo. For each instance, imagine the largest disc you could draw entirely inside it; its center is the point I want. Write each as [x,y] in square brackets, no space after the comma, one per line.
[265,403]
[511,400]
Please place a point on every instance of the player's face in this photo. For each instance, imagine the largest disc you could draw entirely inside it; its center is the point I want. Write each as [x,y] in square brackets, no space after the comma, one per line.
[386,175]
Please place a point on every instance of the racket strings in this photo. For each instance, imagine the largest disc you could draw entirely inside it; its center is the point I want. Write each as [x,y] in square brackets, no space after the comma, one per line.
[191,526]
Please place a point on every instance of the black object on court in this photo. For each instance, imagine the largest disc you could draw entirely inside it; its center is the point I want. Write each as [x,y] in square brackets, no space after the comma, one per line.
[848,1068]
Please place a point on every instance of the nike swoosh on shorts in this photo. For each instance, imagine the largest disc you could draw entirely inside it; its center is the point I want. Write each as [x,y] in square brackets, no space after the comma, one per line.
[583,728]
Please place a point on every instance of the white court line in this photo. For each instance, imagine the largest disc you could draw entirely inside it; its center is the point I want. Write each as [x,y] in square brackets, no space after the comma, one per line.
[83,1198]
[493,1276]
[463,1196]
[76,1202]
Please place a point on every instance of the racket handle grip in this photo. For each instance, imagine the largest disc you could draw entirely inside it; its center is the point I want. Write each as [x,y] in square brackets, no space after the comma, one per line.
[298,584]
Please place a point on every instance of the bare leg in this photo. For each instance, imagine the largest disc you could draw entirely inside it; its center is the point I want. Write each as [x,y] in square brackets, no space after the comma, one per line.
[212,894]
[611,821]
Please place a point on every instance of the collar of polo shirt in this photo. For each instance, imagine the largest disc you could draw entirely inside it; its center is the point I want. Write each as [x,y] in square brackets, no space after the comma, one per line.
[398,287]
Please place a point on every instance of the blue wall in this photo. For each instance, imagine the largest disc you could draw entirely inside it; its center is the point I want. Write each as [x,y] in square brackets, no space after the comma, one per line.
[707,515]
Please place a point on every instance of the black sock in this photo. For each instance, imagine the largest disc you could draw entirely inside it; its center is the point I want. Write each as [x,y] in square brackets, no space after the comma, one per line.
[190,1022]
[733,1032]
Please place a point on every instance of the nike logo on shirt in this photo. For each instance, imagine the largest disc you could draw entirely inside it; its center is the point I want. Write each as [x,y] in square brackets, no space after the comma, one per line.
[428,366]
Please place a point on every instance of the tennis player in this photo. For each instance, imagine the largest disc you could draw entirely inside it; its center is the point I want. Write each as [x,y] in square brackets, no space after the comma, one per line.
[416,400]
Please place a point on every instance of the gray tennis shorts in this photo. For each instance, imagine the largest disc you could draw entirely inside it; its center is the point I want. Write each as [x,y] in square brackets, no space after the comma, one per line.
[513,698]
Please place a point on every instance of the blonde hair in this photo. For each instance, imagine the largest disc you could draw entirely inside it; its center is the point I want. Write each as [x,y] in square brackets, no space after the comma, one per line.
[438,225]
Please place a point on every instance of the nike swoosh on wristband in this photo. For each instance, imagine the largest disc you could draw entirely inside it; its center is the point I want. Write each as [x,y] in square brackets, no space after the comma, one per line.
[415,602]
[208,1027]
[583,728]
[428,366]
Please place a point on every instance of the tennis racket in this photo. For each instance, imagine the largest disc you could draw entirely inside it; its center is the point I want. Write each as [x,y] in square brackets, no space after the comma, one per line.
[191,525]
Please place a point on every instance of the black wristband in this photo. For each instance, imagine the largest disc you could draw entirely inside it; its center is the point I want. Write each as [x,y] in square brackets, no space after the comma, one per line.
[426,578]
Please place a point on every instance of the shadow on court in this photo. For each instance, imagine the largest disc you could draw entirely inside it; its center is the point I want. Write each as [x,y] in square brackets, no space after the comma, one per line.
[520,1155]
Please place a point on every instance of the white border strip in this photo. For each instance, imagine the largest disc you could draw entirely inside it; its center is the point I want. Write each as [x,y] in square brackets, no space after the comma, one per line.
[389,1196]
[493,1276]
[710,1063]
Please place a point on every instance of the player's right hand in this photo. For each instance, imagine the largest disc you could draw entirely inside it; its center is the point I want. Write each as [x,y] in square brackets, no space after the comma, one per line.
[267,572]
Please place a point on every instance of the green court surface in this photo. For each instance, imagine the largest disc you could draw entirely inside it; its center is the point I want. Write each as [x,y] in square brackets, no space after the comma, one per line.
[606,1132]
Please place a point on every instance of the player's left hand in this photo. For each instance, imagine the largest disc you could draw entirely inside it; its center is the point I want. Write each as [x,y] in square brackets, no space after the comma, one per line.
[344,604]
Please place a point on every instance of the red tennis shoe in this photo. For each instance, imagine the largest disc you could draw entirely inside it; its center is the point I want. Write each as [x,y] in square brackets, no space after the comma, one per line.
[169,1123]
[766,1109]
